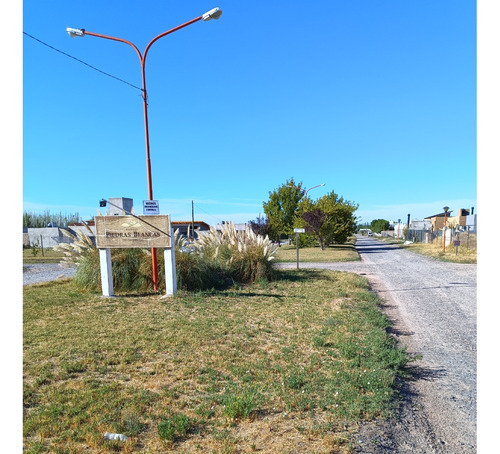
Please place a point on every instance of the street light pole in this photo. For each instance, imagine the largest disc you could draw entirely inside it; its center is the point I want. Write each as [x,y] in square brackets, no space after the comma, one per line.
[317,186]
[214,13]
[303,190]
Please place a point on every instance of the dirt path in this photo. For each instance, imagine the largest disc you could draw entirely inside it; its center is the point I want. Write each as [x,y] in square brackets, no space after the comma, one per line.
[433,308]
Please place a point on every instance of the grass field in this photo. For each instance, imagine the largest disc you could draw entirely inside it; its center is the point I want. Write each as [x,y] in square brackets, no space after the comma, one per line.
[288,366]
[435,250]
[49,256]
[334,253]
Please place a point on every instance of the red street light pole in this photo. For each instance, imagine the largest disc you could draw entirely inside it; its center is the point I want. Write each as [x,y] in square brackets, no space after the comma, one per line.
[214,13]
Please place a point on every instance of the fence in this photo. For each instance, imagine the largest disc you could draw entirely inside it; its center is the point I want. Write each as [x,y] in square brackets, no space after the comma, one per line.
[467,239]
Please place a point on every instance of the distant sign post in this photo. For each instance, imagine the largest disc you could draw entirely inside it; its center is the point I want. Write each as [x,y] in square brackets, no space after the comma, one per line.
[134,232]
[456,243]
[297,231]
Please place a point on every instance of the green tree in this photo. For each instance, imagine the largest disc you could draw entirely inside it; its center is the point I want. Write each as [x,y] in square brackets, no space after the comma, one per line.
[33,219]
[330,219]
[281,208]
[377,225]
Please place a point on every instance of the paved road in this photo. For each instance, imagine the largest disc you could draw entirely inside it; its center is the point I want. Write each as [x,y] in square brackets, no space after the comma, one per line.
[436,306]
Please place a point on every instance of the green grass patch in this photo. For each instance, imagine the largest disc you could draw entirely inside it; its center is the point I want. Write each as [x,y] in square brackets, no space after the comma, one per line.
[257,367]
[335,253]
[35,255]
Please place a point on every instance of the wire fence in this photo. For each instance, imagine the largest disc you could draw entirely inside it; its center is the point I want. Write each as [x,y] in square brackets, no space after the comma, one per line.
[468,238]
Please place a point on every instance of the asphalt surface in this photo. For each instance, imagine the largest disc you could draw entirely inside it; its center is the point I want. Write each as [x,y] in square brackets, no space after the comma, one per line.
[433,306]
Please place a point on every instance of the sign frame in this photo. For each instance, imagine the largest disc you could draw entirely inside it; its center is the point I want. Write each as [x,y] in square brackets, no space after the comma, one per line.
[145,232]
[148,231]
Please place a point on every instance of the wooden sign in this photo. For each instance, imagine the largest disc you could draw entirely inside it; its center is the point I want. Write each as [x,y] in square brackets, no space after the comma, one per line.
[133,231]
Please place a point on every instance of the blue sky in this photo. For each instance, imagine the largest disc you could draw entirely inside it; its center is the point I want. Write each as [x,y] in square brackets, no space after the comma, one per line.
[377,99]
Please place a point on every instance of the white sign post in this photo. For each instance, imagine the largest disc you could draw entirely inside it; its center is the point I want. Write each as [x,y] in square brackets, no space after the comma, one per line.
[106,272]
[170,273]
[297,231]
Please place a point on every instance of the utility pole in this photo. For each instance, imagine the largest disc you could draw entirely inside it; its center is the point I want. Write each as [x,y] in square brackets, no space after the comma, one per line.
[192,217]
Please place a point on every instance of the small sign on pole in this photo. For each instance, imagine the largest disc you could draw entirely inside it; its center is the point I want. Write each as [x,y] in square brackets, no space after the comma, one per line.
[456,243]
[297,231]
[150,207]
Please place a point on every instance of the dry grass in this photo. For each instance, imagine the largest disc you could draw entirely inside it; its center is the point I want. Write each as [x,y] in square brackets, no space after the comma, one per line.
[280,367]
[335,253]
[49,256]
[435,250]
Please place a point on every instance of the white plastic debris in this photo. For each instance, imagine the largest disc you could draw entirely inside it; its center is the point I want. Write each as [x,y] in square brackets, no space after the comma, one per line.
[110,436]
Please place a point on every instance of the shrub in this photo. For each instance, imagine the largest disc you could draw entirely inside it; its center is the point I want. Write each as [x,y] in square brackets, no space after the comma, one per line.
[244,256]
[194,272]
[213,261]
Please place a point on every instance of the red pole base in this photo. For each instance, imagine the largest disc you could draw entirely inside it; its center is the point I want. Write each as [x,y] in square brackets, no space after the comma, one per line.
[155,269]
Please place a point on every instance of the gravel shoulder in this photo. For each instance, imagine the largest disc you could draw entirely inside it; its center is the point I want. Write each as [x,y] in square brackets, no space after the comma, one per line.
[43,272]
[432,305]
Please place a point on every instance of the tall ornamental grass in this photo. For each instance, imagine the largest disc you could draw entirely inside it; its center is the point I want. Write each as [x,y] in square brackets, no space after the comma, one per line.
[244,256]
[216,260]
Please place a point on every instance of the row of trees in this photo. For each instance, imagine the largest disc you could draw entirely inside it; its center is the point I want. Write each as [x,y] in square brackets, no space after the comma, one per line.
[33,220]
[327,220]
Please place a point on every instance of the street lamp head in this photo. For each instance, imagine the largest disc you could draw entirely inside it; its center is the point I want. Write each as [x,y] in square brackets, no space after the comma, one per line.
[212,14]
[74,32]
[446,209]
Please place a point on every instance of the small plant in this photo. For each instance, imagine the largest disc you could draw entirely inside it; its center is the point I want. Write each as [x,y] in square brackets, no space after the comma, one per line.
[131,424]
[296,379]
[174,427]
[239,404]
[35,249]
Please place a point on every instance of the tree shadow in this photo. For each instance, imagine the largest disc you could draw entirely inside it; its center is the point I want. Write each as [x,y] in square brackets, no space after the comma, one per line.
[376,249]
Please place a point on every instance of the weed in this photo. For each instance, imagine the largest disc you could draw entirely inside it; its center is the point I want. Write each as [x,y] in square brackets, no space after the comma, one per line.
[239,403]
[174,427]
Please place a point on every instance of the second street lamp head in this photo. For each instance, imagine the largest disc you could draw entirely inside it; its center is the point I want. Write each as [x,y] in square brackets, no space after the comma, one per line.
[74,32]
[212,14]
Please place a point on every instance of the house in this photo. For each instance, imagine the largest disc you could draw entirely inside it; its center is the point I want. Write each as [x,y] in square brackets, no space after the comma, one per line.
[185,228]
[238,227]
[420,225]
[460,219]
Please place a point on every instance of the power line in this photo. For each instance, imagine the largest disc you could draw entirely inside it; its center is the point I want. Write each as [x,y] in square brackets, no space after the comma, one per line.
[81,61]
[206,212]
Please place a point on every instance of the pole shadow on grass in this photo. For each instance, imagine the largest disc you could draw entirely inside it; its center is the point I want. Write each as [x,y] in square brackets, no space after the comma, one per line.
[285,274]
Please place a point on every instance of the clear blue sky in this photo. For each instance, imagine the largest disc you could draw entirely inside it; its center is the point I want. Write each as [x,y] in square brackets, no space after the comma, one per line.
[377,99]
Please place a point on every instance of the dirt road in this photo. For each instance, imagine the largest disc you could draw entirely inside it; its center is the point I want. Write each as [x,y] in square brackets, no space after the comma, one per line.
[433,307]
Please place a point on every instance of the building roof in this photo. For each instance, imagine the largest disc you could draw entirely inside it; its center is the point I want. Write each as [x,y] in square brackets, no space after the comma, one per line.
[440,215]
[201,223]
